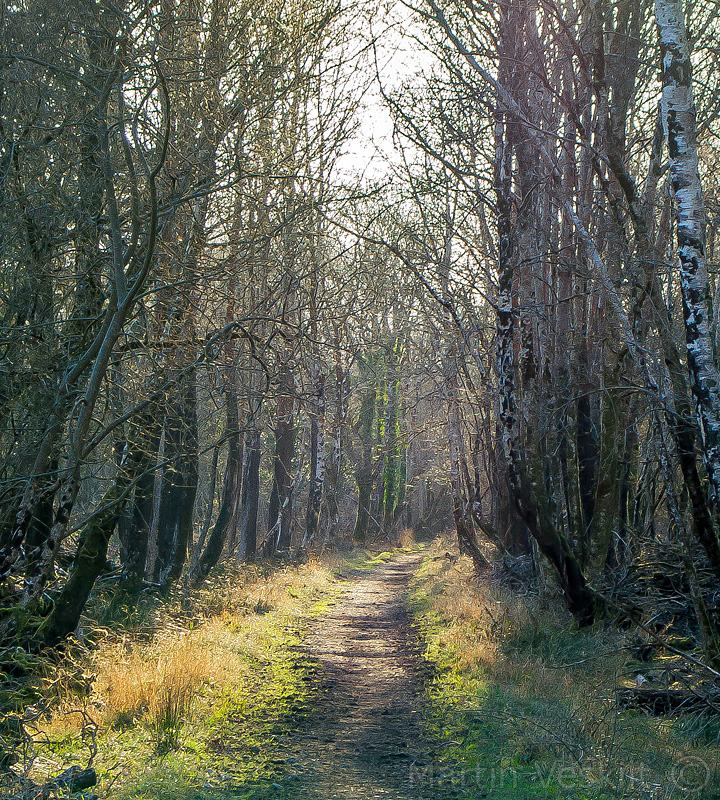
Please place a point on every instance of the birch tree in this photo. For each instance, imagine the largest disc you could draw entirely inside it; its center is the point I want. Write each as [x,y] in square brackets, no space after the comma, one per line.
[679,125]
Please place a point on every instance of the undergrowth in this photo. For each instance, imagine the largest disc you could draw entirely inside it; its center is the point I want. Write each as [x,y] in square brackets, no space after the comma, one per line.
[523,704]
[189,696]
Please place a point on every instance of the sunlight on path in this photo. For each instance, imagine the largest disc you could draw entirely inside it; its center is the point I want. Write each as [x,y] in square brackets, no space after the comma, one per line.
[366,731]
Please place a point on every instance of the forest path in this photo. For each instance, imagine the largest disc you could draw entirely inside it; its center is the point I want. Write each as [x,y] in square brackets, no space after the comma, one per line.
[364,737]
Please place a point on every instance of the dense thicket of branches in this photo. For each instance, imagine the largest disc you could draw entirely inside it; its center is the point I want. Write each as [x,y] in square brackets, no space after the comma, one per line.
[559,221]
[218,343]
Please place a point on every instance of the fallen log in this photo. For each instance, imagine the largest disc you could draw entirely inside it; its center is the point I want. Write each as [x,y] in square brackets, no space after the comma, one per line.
[74,779]
[658,702]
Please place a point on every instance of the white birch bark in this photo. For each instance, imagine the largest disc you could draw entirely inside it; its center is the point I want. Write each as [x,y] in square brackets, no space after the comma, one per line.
[678,112]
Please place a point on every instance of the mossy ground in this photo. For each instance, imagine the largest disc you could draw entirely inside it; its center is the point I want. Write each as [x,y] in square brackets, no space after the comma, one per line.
[244,683]
[524,706]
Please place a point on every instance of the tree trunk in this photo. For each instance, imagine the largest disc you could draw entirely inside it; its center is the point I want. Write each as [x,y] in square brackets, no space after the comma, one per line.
[467,542]
[170,492]
[581,600]
[280,511]
[364,470]
[179,484]
[228,512]
[678,109]
[250,495]
[391,444]
[91,554]
[202,538]
[40,526]
[317,457]
[605,519]
[189,476]
[134,542]
[648,287]
[332,482]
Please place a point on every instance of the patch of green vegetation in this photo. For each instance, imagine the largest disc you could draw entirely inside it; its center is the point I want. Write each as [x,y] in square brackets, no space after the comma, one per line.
[521,704]
[364,559]
[237,746]
[230,740]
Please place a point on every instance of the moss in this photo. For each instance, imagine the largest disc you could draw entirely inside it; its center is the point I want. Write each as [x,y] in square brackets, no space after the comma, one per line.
[522,703]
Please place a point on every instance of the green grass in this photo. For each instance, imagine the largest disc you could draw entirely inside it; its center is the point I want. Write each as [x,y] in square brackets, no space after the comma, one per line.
[365,559]
[243,635]
[522,704]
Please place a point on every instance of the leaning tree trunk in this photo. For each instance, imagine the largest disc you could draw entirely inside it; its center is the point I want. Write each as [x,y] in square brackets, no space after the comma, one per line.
[80,330]
[580,598]
[678,109]
[467,541]
[91,554]
[228,511]
[648,288]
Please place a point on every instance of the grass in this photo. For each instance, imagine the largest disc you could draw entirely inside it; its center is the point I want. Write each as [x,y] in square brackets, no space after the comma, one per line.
[523,704]
[189,697]
[196,698]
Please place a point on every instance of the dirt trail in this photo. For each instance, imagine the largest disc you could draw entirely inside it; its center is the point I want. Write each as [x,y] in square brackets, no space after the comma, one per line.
[366,731]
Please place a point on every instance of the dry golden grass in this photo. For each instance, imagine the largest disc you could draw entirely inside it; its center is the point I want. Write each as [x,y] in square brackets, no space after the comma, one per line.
[209,638]
[158,683]
[517,662]
[122,690]
[180,673]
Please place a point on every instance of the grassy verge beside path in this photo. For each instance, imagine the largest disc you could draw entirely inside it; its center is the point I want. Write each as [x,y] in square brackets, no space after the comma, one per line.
[191,698]
[523,704]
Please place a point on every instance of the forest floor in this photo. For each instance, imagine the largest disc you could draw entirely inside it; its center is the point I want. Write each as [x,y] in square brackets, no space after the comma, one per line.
[398,675]
[297,682]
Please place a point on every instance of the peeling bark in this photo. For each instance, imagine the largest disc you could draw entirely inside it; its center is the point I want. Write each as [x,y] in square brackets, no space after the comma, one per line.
[678,112]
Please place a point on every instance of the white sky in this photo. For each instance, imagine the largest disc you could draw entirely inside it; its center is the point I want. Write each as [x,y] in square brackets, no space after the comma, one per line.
[397,57]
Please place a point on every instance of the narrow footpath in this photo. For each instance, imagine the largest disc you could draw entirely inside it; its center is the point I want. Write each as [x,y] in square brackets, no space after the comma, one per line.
[365,737]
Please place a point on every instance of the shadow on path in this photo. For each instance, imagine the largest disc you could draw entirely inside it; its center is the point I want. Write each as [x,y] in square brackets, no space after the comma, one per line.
[364,738]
